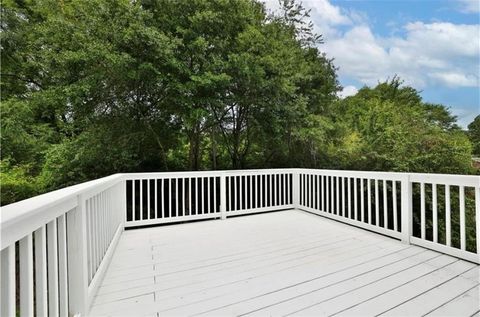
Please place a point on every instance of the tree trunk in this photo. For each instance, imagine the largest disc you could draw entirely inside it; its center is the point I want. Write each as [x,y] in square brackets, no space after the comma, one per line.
[194,149]
[214,150]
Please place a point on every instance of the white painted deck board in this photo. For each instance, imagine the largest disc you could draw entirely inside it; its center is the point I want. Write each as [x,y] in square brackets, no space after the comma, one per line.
[276,264]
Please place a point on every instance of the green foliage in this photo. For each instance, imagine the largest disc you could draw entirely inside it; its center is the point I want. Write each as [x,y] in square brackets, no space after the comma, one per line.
[474,135]
[389,128]
[95,87]
[17,183]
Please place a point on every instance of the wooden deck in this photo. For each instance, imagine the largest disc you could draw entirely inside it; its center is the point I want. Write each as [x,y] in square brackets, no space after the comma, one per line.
[277,264]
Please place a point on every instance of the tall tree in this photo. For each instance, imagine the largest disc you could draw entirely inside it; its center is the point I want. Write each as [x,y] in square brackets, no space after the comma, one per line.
[474,134]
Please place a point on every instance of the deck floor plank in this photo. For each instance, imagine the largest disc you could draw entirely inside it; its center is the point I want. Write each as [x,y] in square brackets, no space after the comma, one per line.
[276,264]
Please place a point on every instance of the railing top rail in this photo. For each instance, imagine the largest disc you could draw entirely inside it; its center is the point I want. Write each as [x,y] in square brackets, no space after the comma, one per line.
[448,179]
[27,215]
[144,175]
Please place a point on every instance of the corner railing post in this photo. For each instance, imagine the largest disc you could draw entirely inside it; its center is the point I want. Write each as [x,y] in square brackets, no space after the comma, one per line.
[477,218]
[406,205]
[296,189]
[223,197]
[123,194]
[77,259]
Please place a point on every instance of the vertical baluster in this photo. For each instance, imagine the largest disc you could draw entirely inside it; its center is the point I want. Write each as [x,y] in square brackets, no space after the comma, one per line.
[312,191]
[102,226]
[289,202]
[162,196]
[337,195]
[89,220]
[52,243]
[250,181]
[7,300]
[302,198]
[385,206]
[343,197]
[105,222]
[307,203]
[148,198]
[170,196]
[201,209]
[141,199]
[260,187]
[215,208]
[362,200]
[109,223]
[395,212]
[322,183]
[448,224]
[254,192]
[369,200]
[235,200]
[332,194]
[184,209]
[177,200]
[435,213]
[41,296]
[422,210]
[377,205]
[275,195]
[156,198]
[462,217]
[327,193]
[300,190]
[305,190]
[243,191]
[349,192]
[62,265]
[355,200]
[133,200]
[95,233]
[208,195]
[190,196]
[308,190]
[26,276]
[281,189]
[271,196]
[229,193]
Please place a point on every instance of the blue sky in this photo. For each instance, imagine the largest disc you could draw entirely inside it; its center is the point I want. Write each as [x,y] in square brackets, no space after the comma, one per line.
[433,45]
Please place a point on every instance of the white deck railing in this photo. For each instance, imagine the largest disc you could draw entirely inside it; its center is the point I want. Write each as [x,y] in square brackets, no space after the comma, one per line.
[60,243]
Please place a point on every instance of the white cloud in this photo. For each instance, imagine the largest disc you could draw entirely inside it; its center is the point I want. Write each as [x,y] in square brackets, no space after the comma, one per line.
[347,91]
[455,79]
[424,54]
[469,6]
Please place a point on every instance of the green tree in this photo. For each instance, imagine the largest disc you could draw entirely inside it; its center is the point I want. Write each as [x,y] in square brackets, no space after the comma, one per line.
[389,128]
[474,134]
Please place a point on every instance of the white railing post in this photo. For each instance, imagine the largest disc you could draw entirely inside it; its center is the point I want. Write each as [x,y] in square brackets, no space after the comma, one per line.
[296,189]
[477,217]
[77,259]
[406,203]
[123,194]
[223,197]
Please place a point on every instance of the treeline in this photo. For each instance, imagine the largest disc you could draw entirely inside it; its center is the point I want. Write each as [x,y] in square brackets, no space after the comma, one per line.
[95,87]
